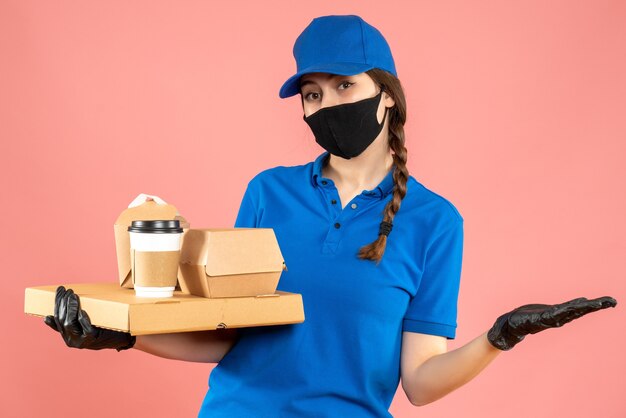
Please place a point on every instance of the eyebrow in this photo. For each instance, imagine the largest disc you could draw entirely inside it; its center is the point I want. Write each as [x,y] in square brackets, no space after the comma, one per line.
[305,82]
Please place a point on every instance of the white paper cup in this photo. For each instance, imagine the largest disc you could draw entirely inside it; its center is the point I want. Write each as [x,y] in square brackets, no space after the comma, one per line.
[154,255]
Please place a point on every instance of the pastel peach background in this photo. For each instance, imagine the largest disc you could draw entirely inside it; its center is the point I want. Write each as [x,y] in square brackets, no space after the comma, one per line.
[516,114]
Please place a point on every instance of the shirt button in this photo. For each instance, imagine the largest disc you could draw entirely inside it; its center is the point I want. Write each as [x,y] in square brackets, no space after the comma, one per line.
[334,202]
[337,225]
[353,206]
[324,182]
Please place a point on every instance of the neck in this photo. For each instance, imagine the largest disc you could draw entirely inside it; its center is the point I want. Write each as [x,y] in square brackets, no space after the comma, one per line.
[363,172]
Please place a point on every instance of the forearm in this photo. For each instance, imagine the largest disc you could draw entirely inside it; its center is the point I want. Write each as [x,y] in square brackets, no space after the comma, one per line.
[443,373]
[200,346]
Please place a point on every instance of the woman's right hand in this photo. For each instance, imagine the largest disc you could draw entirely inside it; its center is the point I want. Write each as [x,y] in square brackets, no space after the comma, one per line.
[75,327]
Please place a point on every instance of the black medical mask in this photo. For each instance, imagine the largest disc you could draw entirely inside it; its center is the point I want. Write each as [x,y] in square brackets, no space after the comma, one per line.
[346,130]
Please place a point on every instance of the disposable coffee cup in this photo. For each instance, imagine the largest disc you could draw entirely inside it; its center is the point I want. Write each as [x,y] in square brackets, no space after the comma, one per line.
[154,256]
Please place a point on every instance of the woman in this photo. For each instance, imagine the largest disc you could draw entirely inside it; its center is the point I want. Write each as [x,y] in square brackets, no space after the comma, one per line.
[375,254]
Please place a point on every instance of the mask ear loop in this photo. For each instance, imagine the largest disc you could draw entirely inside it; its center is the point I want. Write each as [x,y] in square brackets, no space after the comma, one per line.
[384,115]
[382,89]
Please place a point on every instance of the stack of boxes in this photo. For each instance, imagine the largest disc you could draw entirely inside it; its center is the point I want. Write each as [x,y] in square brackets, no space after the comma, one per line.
[227,278]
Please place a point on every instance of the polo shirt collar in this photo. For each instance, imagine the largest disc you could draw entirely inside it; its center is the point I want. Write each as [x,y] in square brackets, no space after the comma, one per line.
[383,189]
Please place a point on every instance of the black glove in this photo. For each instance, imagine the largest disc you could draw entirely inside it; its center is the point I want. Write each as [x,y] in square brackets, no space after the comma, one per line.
[74,325]
[511,328]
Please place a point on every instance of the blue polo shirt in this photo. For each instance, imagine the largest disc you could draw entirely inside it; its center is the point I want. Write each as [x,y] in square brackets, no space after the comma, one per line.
[344,359]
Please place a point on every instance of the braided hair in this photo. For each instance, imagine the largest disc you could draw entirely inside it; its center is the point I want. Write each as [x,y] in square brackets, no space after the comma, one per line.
[397,118]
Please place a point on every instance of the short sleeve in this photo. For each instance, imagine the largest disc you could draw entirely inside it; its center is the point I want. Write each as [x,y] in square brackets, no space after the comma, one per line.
[433,309]
[247,216]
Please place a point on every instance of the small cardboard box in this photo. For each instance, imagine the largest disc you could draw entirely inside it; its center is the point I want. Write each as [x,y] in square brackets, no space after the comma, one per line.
[230,262]
[148,211]
[111,306]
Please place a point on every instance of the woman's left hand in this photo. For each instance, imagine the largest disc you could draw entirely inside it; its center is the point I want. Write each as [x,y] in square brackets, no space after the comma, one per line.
[511,328]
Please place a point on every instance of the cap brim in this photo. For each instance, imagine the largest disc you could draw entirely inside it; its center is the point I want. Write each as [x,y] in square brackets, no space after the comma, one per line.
[291,87]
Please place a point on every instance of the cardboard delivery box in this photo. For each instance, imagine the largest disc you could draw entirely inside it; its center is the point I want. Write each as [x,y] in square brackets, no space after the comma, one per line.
[230,262]
[111,306]
[148,210]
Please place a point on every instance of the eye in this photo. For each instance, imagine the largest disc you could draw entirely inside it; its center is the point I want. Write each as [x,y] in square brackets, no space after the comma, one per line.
[346,84]
[306,96]
[342,86]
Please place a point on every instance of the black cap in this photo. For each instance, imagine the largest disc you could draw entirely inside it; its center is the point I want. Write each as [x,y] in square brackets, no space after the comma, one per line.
[156,227]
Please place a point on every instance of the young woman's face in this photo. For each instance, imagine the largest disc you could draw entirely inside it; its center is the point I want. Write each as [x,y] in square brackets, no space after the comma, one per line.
[320,90]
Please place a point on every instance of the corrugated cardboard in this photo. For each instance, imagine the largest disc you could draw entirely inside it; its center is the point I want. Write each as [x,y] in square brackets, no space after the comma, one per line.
[230,262]
[111,306]
[148,211]
[154,268]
